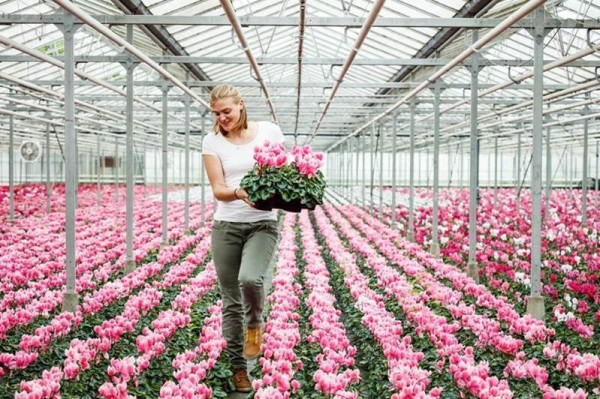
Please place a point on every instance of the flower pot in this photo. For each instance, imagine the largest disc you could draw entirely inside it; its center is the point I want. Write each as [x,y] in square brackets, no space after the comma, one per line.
[264,205]
[277,202]
[292,206]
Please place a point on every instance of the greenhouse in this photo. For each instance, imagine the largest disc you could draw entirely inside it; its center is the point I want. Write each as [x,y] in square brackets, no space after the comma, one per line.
[313,199]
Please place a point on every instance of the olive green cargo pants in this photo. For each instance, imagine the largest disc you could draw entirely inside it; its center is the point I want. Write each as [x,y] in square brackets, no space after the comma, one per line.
[242,253]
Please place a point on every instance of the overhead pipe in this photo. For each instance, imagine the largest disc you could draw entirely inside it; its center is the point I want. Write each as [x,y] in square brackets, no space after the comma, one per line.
[301,27]
[366,28]
[237,27]
[119,41]
[477,46]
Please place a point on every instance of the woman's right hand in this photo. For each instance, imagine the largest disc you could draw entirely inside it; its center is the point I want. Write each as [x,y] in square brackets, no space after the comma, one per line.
[242,194]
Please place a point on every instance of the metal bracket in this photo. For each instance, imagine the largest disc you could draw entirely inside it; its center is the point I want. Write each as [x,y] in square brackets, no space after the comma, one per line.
[165,86]
[69,21]
[252,73]
[510,76]
[233,38]
[587,38]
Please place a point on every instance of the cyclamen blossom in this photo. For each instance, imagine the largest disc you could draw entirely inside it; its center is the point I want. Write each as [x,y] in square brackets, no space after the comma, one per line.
[47,387]
[270,155]
[308,162]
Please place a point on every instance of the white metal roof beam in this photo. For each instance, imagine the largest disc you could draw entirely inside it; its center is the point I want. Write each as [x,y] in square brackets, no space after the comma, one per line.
[321,85]
[352,22]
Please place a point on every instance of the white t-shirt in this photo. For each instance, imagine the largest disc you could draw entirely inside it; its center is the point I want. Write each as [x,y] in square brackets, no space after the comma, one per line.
[237,160]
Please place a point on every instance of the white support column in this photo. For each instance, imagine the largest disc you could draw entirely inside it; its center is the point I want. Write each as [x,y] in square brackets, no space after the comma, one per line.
[535,303]
[584,189]
[346,168]
[186,217]
[472,267]
[571,173]
[372,166]
[143,170]
[449,170]
[462,168]
[364,168]
[381,153]
[165,159]
[548,171]
[356,178]
[11,169]
[411,178]
[427,170]
[71,298]
[489,170]
[202,174]
[496,172]
[435,245]
[116,169]
[518,187]
[98,160]
[47,160]
[129,158]
[394,133]
[596,178]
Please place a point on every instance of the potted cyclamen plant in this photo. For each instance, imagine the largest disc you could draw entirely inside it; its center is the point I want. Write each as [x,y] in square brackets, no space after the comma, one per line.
[274,182]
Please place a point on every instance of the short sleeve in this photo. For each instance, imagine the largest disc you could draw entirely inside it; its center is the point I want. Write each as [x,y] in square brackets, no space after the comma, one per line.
[208,147]
[277,134]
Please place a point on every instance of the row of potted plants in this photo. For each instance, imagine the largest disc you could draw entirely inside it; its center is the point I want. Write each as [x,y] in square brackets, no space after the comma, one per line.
[584,367]
[47,294]
[82,354]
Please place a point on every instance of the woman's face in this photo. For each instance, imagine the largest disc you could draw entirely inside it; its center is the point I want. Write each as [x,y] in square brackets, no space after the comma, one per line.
[227,112]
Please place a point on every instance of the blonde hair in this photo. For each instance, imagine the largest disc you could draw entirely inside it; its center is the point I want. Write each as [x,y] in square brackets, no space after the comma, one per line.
[228,91]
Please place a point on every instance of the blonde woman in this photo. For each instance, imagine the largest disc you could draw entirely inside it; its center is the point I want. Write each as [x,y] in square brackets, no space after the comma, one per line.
[243,238]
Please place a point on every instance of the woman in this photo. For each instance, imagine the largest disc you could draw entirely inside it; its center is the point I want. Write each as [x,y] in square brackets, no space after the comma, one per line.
[243,238]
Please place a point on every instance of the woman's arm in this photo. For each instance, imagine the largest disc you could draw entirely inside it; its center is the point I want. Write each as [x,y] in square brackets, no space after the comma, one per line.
[214,170]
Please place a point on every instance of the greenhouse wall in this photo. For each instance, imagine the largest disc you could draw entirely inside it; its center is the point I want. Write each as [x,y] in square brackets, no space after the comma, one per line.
[454,169]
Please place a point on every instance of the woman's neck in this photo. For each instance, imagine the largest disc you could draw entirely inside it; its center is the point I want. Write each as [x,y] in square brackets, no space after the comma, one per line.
[240,133]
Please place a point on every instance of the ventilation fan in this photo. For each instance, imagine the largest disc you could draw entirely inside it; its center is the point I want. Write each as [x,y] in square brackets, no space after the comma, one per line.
[30,151]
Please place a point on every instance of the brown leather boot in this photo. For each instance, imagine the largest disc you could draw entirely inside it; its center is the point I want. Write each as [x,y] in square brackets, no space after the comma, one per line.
[241,381]
[252,342]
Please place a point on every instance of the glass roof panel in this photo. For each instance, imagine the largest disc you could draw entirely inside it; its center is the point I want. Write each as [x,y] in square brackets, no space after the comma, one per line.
[326,48]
